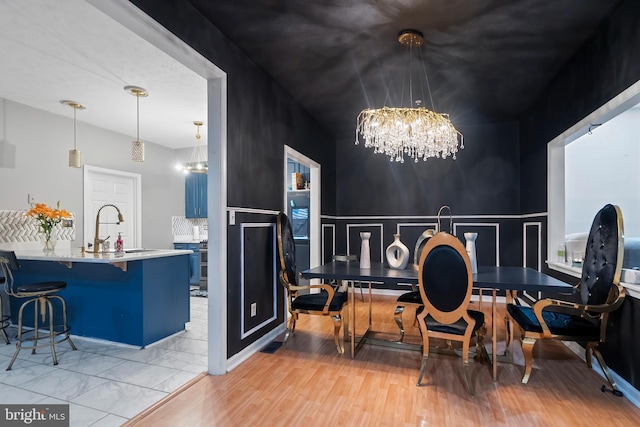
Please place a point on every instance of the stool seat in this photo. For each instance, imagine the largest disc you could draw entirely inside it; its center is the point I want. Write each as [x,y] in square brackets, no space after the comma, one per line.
[41,287]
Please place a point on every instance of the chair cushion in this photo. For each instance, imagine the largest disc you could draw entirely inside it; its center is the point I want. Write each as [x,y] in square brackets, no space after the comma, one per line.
[410,298]
[559,323]
[457,328]
[41,287]
[316,302]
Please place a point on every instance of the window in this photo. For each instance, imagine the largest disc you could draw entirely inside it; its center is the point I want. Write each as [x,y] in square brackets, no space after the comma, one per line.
[597,161]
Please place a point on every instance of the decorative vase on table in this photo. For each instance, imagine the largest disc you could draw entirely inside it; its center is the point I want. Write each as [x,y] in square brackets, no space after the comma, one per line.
[397,254]
[365,250]
[471,250]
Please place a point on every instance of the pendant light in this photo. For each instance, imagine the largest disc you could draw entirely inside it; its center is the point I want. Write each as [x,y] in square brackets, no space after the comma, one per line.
[137,146]
[75,156]
[198,161]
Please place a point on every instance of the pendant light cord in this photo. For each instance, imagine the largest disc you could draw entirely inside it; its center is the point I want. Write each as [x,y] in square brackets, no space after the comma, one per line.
[75,128]
[138,117]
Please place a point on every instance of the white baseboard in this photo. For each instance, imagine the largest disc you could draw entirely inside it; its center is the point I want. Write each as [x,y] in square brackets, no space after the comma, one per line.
[235,360]
[630,392]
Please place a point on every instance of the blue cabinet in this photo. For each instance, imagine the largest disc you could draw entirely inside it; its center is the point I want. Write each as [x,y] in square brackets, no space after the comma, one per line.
[194,261]
[195,194]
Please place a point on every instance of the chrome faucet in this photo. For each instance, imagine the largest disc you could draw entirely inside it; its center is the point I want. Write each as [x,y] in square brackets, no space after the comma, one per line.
[97,241]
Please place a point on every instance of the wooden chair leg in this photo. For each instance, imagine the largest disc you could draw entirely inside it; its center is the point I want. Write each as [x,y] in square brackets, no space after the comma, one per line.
[423,368]
[337,324]
[605,369]
[527,350]
[291,327]
[467,369]
[397,316]
[587,354]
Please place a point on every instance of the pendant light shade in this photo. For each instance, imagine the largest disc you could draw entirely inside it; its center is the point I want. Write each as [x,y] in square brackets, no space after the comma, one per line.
[137,146]
[75,156]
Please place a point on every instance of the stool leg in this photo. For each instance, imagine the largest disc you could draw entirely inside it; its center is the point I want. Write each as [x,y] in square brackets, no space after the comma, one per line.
[19,336]
[35,326]
[64,320]
[52,342]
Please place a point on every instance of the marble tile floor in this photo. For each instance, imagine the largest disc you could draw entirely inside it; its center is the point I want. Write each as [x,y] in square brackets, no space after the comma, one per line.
[105,384]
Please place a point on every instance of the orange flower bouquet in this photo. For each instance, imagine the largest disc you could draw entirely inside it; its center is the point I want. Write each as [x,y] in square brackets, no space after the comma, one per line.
[47,218]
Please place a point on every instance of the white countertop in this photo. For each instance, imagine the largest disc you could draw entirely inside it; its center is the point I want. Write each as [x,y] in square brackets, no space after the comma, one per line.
[74,255]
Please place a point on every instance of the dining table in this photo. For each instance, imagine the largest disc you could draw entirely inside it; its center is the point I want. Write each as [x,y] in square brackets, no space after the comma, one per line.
[507,279]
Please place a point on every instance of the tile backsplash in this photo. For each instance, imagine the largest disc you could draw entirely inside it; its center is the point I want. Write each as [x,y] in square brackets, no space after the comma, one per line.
[182,227]
[15,227]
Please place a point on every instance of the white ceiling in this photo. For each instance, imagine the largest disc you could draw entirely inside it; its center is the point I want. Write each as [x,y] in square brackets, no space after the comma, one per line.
[68,50]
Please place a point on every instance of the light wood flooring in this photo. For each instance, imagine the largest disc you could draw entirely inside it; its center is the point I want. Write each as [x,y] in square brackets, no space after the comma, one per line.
[308,384]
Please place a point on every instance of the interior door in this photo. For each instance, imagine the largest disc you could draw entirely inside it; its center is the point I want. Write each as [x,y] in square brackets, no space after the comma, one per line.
[102,187]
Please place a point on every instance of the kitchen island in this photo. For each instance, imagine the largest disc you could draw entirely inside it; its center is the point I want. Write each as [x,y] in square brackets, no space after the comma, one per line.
[137,297]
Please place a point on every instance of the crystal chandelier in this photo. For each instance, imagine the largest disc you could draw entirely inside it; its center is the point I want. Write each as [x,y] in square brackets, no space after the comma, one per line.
[198,161]
[415,132]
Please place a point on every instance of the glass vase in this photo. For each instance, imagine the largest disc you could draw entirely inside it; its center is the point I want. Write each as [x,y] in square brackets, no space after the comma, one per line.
[49,241]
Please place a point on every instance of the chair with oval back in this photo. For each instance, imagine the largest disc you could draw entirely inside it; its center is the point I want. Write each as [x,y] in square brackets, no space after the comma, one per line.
[445,283]
[327,302]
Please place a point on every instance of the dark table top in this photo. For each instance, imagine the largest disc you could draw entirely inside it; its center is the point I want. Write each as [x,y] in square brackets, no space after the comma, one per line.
[501,278]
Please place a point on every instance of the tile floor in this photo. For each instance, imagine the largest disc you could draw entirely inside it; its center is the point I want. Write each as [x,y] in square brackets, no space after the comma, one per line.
[106,384]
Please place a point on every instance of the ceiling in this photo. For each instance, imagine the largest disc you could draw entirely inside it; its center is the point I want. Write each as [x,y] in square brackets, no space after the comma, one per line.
[485,60]
[69,50]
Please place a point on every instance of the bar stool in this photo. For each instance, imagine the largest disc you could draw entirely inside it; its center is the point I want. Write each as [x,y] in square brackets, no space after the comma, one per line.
[40,294]
[4,319]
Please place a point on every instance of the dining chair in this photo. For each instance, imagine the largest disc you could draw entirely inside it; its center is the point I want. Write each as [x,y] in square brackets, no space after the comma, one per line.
[600,294]
[41,295]
[445,283]
[412,298]
[300,299]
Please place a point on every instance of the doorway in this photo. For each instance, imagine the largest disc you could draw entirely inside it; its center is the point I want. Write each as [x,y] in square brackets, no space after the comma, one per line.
[122,189]
[302,205]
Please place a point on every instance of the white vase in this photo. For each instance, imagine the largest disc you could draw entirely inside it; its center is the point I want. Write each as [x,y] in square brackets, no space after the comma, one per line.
[471,250]
[365,251]
[397,254]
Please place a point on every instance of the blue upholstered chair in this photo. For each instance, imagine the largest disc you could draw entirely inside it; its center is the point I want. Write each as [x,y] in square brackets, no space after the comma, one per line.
[600,294]
[445,284]
[39,294]
[327,302]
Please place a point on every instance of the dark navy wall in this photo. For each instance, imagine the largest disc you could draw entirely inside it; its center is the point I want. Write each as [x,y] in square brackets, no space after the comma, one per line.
[484,179]
[605,66]
[261,119]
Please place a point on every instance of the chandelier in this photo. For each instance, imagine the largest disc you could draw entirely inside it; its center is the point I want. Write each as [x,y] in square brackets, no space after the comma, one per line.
[415,132]
[198,161]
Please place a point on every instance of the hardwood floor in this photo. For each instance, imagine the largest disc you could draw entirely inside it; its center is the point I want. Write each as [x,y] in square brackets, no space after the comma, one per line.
[307,383]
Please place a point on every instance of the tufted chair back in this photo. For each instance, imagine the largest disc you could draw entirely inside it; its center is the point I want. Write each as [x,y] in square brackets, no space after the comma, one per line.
[286,251]
[602,265]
